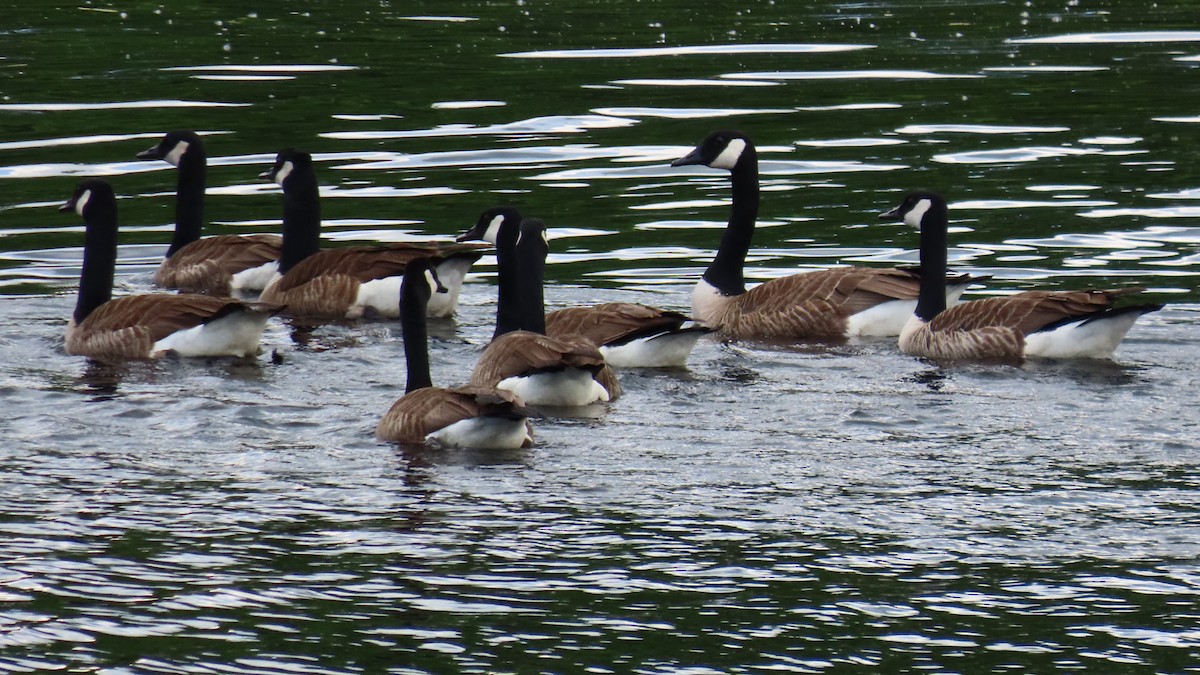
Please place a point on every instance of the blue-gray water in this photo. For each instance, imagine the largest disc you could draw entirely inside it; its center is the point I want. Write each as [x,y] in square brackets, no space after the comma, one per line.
[811,509]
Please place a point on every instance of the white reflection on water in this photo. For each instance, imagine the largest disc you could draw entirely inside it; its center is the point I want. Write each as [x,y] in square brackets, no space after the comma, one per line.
[118,105]
[1165,212]
[1118,37]
[550,124]
[765,168]
[78,140]
[1029,154]
[852,143]
[976,129]
[1045,69]
[687,51]
[688,113]
[694,82]
[1024,204]
[846,75]
[263,68]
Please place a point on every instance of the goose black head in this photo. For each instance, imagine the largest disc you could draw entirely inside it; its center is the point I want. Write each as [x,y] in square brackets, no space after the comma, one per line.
[174,146]
[487,227]
[719,150]
[914,207]
[287,162]
[91,197]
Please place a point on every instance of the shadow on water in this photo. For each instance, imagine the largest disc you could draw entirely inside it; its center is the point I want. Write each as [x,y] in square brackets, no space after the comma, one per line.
[102,381]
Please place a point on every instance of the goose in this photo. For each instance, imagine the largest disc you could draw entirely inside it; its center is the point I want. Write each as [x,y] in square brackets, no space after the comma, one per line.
[828,304]
[221,265]
[462,417]
[563,371]
[150,325]
[349,282]
[629,335]
[1047,324]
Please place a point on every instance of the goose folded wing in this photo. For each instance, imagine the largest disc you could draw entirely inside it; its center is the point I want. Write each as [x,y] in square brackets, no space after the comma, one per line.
[1026,312]
[613,321]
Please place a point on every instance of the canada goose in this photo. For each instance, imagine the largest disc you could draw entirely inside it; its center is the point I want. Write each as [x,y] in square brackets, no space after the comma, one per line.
[552,371]
[629,335]
[353,281]
[219,265]
[1050,324]
[462,417]
[151,325]
[825,304]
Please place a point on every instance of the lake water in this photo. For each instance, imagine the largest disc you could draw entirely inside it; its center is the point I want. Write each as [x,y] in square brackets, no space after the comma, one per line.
[812,509]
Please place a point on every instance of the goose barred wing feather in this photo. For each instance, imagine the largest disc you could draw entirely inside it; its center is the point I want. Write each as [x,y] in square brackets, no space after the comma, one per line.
[207,265]
[816,304]
[612,322]
[523,352]
[360,263]
[424,411]
[129,327]
[1025,312]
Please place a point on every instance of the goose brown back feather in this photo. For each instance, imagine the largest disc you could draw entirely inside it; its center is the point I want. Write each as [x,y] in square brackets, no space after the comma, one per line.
[521,353]
[612,321]
[812,305]
[128,328]
[421,412]
[208,265]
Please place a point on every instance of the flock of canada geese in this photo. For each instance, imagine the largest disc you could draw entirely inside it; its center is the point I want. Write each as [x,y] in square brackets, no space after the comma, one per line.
[561,359]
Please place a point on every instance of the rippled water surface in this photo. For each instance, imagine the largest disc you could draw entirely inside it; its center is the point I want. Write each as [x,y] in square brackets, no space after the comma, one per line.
[803,508]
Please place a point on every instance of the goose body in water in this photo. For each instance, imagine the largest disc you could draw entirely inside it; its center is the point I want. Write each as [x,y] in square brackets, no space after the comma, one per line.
[629,335]
[562,371]
[824,305]
[148,325]
[1048,324]
[462,417]
[224,264]
[350,282]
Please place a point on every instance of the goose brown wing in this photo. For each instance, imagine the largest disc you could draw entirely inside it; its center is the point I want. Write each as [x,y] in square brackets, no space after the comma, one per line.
[424,411]
[612,321]
[129,327]
[206,265]
[362,263]
[1026,312]
[523,352]
[851,289]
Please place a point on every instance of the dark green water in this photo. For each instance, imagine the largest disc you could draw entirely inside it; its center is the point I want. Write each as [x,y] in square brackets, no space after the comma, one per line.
[814,510]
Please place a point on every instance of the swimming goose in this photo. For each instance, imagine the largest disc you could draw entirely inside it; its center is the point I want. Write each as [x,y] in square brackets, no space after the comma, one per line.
[1050,324]
[463,417]
[629,335]
[150,325]
[220,265]
[347,282]
[553,371]
[825,304]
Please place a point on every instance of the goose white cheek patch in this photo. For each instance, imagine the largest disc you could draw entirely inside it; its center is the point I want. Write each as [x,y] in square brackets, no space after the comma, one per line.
[284,172]
[730,155]
[492,233]
[81,203]
[914,216]
[176,154]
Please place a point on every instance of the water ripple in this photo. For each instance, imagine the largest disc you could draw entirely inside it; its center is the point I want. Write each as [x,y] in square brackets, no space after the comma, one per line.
[550,124]
[693,50]
[1117,37]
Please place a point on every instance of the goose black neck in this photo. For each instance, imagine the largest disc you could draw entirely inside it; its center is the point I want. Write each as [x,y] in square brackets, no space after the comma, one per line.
[725,271]
[508,272]
[189,198]
[531,251]
[99,259]
[931,300]
[301,219]
[416,335]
